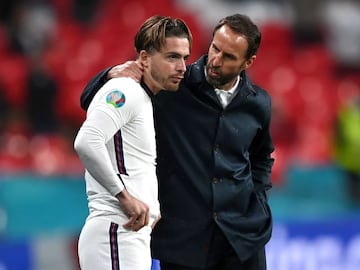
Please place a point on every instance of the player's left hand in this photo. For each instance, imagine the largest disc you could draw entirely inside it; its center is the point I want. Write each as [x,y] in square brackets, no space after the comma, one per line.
[136,210]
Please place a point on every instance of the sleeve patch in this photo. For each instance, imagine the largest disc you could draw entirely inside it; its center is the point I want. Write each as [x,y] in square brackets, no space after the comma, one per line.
[116,98]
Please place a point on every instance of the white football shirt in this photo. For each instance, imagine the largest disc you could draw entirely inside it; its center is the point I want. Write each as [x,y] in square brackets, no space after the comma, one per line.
[116,144]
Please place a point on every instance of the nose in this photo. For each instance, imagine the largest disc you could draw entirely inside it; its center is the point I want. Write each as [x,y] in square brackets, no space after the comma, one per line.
[181,65]
[216,60]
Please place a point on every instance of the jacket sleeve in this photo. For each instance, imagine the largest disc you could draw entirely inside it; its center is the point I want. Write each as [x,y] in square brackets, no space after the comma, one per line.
[92,87]
[260,155]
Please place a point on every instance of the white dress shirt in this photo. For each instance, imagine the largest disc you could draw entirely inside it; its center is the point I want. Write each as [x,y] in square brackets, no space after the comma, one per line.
[225,96]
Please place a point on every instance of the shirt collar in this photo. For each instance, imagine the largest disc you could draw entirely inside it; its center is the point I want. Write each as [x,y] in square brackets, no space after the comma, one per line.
[232,90]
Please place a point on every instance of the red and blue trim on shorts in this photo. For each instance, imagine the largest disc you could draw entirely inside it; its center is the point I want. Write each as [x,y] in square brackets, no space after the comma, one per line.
[114,248]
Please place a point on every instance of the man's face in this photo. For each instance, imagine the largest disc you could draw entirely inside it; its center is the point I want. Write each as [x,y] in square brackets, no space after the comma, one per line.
[226,58]
[165,69]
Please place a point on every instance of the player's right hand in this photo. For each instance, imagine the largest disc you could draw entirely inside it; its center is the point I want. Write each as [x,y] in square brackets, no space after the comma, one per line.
[132,69]
[136,210]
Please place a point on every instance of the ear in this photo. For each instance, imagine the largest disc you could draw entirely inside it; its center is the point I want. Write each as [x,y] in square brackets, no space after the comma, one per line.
[144,58]
[249,62]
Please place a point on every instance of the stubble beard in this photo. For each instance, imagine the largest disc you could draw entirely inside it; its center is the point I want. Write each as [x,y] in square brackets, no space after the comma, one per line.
[164,83]
[220,81]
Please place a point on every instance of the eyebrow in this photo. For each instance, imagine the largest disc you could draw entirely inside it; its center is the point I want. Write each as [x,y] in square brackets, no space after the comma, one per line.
[170,53]
[230,55]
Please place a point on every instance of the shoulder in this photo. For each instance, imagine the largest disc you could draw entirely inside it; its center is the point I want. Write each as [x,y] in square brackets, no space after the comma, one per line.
[120,93]
[258,92]
[261,92]
[259,98]
[125,85]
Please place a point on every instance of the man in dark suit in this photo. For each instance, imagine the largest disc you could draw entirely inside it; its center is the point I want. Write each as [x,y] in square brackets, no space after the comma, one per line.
[214,157]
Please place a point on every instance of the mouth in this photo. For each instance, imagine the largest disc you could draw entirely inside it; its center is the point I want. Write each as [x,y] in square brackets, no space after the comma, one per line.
[212,72]
[177,78]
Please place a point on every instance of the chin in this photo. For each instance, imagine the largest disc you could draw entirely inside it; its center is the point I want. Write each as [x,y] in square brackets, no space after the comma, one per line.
[173,87]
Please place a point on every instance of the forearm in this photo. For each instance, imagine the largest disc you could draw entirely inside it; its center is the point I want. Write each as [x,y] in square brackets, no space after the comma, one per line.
[92,151]
[262,162]
[261,158]
[261,173]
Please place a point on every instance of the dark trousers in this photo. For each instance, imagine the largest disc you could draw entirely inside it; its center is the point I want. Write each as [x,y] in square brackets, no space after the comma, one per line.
[221,256]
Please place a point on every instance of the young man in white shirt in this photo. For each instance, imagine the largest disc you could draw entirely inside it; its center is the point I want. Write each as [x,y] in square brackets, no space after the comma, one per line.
[116,144]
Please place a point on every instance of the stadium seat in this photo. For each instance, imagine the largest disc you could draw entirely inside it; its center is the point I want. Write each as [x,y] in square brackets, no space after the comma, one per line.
[13,74]
[313,60]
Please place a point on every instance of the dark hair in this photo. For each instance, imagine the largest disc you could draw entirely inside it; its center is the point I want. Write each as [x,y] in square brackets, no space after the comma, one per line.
[152,33]
[243,25]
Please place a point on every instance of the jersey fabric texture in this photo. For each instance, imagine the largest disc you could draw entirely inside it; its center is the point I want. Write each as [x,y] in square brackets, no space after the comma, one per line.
[118,149]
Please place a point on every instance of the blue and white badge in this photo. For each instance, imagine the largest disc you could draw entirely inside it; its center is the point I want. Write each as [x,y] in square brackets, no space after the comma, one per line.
[116,98]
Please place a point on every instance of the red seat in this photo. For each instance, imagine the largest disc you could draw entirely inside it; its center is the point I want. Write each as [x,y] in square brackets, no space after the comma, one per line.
[14,149]
[68,103]
[13,75]
[314,146]
[313,59]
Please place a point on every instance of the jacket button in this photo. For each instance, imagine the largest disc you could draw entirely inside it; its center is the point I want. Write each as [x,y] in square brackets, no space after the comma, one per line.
[215,215]
[215,180]
[216,147]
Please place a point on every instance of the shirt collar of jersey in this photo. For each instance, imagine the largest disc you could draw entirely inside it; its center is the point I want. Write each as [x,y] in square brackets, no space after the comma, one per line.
[146,89]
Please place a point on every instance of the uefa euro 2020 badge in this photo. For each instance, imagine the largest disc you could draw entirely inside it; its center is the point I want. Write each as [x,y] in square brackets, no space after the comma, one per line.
[116,98]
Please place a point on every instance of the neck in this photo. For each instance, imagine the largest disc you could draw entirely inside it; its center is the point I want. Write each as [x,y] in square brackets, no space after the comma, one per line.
[147,89]
[151,85]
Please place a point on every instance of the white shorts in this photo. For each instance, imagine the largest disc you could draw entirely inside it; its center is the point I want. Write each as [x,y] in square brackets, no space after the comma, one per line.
[105,245]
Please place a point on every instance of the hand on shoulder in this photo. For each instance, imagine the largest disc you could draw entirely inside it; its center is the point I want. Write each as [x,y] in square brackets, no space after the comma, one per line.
[132,69]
